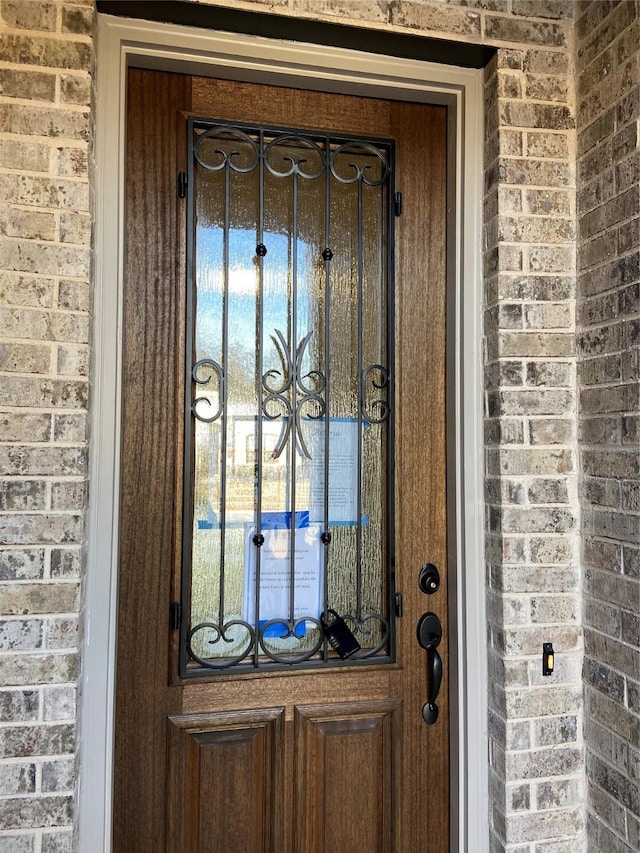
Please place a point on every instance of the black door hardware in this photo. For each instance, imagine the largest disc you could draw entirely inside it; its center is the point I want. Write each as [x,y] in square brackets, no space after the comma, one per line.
[429,636]
[429,579]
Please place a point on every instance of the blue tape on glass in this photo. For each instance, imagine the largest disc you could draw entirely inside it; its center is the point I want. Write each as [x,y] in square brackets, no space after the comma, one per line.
[281,632]
[282,520]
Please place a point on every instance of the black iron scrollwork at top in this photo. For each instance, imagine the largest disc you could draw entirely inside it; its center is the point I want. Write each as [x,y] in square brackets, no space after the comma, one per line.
[236,148]
[212,154]
[278,396]
[362,172]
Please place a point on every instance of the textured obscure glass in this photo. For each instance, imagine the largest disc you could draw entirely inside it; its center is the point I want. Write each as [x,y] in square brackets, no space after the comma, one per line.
[288,411]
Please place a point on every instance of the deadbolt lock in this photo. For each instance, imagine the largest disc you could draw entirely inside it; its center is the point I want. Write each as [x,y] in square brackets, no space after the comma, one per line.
[429,579]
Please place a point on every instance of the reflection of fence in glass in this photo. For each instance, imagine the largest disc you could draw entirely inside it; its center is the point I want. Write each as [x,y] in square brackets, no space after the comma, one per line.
[294,335]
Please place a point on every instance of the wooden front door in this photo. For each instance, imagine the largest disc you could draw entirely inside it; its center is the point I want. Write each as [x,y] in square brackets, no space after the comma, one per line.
[262,750]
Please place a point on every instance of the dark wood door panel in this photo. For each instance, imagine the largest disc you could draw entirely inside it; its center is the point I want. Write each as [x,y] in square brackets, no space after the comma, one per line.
[346,777]
[310,761]
[226,782]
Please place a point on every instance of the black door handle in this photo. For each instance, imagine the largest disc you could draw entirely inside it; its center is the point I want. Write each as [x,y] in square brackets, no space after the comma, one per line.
[429,635]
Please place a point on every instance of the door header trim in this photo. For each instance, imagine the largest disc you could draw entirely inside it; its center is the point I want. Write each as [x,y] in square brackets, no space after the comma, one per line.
[377,39]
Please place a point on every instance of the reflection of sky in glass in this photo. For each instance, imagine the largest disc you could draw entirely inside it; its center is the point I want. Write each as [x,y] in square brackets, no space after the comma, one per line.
[243,290]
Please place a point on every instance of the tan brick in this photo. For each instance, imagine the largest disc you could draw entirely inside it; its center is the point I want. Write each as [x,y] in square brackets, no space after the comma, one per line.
[42,461]
[505,29]
[70,428]
[45,192]
[45,325]
[75,228]
[62,633]
[40,598]
[535,461]
[73,162]
[66,563]
[550,374]
[19,669]
[44,121]
[28,291]
[74,296]
[547,202]
[15,425]
[40,257]
[31,85]
[28,224]
[430,17]
[75,89]
[359,10]
[20,635]
[547,431]
[73,360]
[536,344]
[548,550]
[545,88]
[27,15]
[68,495]
[53,52]
[545,144]
[59,703]
[40,529]
[548,316]
[541,173]
[43,392]
[25,358]
[79,20]
[18,565]
[22,495]
[551,259]
[24,156]
[536,229]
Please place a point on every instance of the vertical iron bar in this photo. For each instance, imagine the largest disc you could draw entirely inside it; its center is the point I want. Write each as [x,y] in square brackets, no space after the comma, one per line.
[259,344]
[360,408]
[189,421]
[294,386]
[225,392]
[390,424]
[327,372]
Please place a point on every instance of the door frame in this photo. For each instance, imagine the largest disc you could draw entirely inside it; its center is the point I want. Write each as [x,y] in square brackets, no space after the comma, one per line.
[123,43]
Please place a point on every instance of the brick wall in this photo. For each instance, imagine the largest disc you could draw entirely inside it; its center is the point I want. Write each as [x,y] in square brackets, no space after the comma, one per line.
[532,567]
[45,127]
[533,591]
[608,88]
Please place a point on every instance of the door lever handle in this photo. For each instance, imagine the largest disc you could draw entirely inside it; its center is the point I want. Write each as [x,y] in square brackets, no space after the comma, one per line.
[429,635]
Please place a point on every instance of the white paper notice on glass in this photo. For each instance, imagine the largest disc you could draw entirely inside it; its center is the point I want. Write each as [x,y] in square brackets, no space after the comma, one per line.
[275,575]
[343,469]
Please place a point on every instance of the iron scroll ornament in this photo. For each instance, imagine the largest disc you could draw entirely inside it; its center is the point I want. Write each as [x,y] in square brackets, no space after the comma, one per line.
[214,369]
[292,379]
[221,634]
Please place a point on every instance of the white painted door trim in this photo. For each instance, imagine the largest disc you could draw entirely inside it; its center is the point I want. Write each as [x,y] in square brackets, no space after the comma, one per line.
[122,43]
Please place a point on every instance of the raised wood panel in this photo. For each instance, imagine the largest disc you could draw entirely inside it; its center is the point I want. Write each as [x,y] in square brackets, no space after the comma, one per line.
[346,777]
[226,791]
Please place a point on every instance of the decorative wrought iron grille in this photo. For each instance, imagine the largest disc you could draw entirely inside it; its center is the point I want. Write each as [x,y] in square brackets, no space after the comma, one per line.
[288,465]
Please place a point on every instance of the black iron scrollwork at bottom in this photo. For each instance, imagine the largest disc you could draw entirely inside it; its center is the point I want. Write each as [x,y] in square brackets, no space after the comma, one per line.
[241,638]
